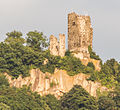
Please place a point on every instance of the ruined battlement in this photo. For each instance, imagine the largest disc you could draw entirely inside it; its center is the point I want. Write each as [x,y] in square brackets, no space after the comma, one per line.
[57,48]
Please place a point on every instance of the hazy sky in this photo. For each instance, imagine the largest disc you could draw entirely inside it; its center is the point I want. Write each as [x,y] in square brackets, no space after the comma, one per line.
[50,17]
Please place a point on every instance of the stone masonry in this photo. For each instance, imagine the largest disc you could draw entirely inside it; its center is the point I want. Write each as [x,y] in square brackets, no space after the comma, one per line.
[57,48]
[80,35]
[54,46]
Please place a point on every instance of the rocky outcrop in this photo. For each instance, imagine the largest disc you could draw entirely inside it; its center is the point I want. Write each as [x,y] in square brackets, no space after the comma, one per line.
[57,84]
[95,62]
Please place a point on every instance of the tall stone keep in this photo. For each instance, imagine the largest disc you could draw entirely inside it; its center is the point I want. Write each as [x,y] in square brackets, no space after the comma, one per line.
[80,35]
[57,48]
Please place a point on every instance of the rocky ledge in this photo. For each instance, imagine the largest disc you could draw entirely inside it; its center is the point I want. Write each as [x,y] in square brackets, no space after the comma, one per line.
[57,84]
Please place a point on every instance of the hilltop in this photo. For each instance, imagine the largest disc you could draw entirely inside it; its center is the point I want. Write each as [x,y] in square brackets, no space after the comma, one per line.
[47,67]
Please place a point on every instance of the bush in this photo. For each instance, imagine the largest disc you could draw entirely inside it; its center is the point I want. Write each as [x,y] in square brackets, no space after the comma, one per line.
[3,80]
[90,64]
[68,53]
[52,102]
[4,107]
[93,54]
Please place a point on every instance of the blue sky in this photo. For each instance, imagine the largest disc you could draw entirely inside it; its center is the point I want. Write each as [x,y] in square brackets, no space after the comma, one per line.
[50,17]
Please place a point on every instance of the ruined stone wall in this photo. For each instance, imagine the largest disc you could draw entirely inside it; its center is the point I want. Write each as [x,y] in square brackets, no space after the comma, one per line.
[54,46]
[57,48]
[80,35]
[62,45]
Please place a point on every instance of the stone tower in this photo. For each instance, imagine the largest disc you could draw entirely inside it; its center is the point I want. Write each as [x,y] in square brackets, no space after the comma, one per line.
[80,35]
[57,48]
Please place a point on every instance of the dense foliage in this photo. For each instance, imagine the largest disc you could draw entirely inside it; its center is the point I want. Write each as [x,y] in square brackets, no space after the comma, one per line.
[12,98]
[69,63]
[36,40]
[109,74]
[52,102]
[78,99]
[17,58]
[110,101]
[18,55]
[20,99]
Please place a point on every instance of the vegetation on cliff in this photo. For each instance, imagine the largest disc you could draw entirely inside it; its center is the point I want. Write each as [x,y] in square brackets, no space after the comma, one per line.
[18,55]
[93,54]
[77,98]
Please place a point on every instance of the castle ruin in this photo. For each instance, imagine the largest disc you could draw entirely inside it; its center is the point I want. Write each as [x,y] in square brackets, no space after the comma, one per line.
[80,36]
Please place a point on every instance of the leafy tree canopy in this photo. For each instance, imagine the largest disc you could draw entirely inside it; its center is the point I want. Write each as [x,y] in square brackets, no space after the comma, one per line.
[36,40]
[22,99]
[53,103]
[78,99]
[14,37]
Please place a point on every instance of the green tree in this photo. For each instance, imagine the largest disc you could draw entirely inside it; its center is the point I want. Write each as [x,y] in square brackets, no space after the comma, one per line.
[14,37]
[22,99]
[109,73]
[106,103]
[93,54]
[90,64]
[36,40]
[78,99]
[116,96]
[18,59]
[3,80]
[53,103]
[111,101]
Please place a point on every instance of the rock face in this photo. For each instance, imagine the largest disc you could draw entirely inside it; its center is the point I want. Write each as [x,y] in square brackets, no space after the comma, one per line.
[57,48]
[57,84]
[95,62]
[80,35]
